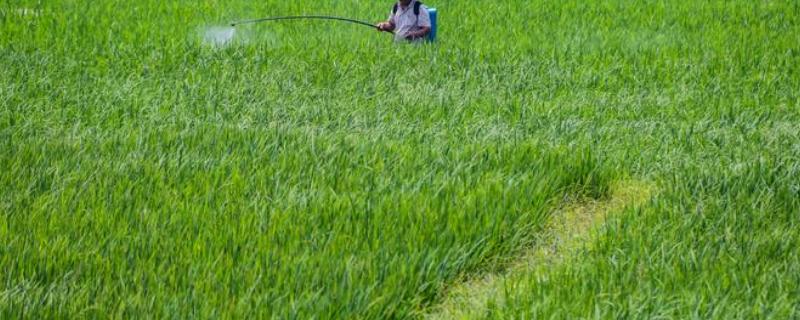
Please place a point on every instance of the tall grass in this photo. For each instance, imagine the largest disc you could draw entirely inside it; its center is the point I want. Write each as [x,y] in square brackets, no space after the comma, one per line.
[316,170]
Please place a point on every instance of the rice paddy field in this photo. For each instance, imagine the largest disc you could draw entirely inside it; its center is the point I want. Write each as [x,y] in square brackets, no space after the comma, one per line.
[306,170]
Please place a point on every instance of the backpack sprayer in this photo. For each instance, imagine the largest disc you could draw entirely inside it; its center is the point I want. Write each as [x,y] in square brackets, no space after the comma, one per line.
[432,12]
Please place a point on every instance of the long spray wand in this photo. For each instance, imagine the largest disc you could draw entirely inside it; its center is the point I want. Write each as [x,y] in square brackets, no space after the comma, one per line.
[306,17]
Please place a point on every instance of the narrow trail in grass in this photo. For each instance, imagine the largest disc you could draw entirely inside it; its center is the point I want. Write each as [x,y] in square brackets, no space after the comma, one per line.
[569,229]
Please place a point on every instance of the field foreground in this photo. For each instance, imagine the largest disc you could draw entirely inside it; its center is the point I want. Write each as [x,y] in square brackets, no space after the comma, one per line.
[316,170]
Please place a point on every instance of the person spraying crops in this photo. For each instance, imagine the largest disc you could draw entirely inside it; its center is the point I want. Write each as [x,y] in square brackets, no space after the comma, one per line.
[409,20]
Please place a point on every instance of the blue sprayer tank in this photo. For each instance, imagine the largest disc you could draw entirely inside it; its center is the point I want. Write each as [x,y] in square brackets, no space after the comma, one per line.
[433,14]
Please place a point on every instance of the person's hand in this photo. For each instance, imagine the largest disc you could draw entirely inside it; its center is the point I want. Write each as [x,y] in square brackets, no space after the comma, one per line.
[383,26]
[419,34]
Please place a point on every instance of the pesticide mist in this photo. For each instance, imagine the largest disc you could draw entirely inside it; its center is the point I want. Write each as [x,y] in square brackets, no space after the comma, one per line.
[218,36]
[224,36]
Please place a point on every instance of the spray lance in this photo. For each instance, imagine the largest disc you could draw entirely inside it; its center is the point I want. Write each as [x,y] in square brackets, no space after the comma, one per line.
[306,17]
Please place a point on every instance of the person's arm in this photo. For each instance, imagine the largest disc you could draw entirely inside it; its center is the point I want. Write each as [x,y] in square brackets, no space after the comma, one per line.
[388,25]
[424,24]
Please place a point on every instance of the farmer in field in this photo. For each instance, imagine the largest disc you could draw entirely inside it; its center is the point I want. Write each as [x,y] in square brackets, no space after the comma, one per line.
[409,20]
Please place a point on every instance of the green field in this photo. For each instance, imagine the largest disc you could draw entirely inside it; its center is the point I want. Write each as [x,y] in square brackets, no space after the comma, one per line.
[317,170]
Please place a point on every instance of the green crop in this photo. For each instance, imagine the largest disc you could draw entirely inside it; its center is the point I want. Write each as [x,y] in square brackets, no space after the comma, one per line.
[317,170]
